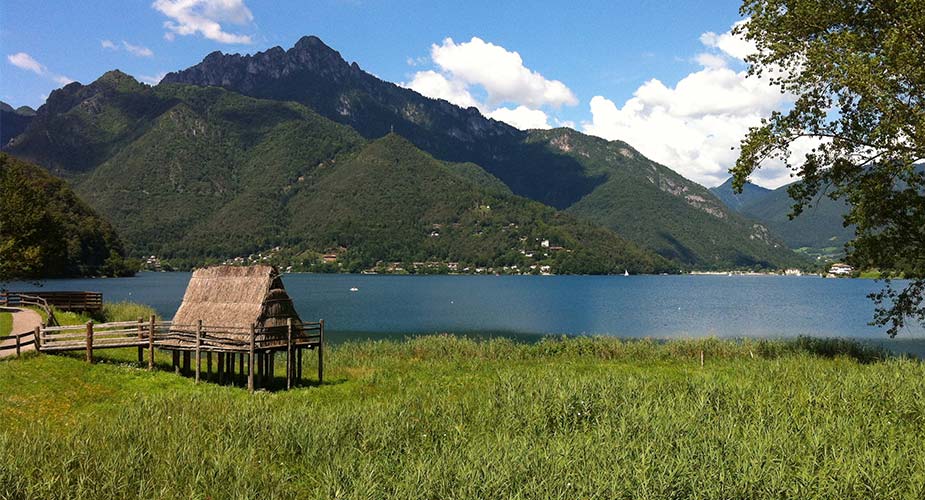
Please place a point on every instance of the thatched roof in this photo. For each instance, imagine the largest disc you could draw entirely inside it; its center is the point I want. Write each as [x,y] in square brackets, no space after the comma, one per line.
[234,296]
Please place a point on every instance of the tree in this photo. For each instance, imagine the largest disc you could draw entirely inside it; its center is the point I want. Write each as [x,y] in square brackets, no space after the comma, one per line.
[856,69]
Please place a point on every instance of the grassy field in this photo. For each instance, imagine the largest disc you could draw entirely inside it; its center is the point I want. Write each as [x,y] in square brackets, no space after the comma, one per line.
[6,323]
[446,417]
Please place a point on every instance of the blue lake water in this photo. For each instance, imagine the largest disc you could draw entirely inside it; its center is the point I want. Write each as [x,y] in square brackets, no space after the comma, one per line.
[634,306]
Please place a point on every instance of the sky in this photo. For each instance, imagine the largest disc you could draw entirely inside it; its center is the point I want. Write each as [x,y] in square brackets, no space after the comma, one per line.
[665,76]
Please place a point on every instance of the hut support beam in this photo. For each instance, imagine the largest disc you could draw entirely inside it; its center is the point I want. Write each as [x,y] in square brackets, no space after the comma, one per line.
[289,363]
[209,365]
[198,349]
[186,362]
[250,361]
[221,367]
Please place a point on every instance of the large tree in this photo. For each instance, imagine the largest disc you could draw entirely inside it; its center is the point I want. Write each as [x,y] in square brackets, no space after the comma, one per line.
[857,71]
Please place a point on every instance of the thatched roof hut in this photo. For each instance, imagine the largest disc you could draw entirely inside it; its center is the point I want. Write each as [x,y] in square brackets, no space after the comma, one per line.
[236,297]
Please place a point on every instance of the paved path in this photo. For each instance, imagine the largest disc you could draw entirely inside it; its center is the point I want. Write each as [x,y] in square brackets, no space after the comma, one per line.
[24,321]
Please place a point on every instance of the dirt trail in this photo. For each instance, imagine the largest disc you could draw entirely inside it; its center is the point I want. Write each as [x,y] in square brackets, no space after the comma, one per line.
[24,321]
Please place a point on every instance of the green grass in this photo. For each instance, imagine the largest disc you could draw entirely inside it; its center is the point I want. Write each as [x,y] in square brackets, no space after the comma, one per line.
[6,324]
[112,312]
[447,417]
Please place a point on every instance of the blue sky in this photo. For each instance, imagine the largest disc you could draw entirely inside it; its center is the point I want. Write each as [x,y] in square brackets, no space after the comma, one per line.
[600,55]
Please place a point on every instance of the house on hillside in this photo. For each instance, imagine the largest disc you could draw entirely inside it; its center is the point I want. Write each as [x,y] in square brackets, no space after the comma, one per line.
[840,269]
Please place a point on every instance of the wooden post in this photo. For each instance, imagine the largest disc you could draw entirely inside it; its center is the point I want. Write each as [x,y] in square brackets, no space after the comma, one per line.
[271,366]
[321,354]
[38,338]
[17,346]
[230,366]
[289,353]
[298,365]
[151,343]
[241,366]
[250,360]
[701,359]
[141,337]
[89,341]
[209,365]
[221,367]
[198,348]
[260,368]
[176,361]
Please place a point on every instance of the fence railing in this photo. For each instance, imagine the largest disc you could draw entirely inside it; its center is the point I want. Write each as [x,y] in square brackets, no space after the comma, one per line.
[65,301]
[198,338]
[17,342]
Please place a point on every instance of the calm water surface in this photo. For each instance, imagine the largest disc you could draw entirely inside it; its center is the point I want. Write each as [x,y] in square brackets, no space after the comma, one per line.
[634,306]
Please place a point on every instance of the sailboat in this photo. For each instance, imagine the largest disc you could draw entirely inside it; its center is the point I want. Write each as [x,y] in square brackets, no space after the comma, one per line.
[626,273]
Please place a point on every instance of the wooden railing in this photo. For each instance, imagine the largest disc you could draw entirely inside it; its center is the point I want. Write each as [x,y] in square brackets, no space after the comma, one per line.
[22,341]
[198,339]
[65,301]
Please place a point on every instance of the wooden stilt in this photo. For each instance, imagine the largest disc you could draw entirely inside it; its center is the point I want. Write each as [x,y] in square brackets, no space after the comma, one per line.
[221,367]
[230,366]
[289,364]
[272,367]
[209,366]
[186,362]
[250,360]
[198,349]
[299,366]
[176,361]
[260,364]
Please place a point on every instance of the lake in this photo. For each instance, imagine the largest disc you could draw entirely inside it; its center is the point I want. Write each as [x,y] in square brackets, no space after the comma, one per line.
[633,306]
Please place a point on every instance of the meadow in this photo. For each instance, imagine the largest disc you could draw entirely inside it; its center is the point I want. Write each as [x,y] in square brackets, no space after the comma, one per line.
[449,417]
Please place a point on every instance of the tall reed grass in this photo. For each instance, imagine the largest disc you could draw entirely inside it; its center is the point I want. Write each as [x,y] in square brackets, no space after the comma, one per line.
[449,417]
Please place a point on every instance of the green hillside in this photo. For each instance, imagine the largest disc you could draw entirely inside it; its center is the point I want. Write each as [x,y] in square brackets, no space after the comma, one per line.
[196,174]
[667,213]
[750,194]
[652,205]
[46,231]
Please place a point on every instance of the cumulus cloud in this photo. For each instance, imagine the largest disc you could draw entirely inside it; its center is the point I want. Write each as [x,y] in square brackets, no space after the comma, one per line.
[522,117]
[512,92]
[500,72]
[24,61]
[438,86]
[137,50]
[695,126]
[205,17]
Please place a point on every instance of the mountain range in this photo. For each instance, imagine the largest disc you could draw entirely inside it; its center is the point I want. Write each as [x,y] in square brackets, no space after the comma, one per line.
[819,230]
[300,149]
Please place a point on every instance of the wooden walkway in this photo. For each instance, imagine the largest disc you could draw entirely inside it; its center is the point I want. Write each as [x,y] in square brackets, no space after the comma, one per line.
[254,346]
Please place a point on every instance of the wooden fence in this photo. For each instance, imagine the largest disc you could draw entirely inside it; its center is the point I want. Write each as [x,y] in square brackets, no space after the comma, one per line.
[258,345]
[65,301]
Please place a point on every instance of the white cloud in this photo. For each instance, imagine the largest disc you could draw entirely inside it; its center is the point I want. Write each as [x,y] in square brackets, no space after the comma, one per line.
[204,17]
[136,50]
[25,61]
[512,92]
[695,127]
[500,72]
[437,86]
[522,117]
[152,80]
[732,45]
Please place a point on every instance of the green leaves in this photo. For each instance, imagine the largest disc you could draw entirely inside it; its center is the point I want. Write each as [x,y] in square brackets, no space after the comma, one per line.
[857,70]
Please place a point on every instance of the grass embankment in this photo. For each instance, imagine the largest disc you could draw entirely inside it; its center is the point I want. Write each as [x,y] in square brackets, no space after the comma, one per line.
[6,324]
[444,417]
[112,311]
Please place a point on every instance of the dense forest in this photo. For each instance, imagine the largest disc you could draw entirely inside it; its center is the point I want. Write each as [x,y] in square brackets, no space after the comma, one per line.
[46,231]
